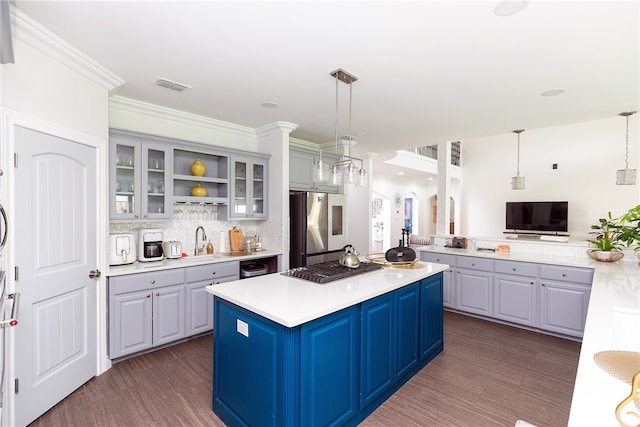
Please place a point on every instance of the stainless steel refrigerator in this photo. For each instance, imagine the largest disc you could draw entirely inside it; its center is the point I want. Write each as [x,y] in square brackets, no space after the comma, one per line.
[318,227]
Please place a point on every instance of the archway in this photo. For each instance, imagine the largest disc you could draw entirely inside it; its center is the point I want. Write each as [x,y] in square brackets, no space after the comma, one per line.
[433,217]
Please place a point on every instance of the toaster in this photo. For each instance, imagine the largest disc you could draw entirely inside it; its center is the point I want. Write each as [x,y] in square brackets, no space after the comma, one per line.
[122,249]
[172,249]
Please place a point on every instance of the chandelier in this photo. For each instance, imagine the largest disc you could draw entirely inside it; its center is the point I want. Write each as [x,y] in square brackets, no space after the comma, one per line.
[348,169]
[517,182]
[626,176]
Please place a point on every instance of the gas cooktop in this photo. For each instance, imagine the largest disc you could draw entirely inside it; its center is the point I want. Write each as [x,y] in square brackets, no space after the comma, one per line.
[329,271]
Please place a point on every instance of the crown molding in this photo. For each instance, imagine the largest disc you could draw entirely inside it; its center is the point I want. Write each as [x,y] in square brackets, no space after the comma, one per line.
[127,104]
[31,32]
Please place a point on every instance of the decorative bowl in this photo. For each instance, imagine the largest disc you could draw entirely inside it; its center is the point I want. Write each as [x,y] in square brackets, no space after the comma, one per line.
[605,256]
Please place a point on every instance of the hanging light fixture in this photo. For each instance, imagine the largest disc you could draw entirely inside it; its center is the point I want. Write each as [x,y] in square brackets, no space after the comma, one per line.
[626,176]
[348,169]
[517,182]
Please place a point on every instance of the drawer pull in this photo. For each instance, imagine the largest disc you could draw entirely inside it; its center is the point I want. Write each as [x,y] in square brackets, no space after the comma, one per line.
[473,264]
[148,295]
[564,274]
[514,269]
[153,282]
[213,272]
[533,283]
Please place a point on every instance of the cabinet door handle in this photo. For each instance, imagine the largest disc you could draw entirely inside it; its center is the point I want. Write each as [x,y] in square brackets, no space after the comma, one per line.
[157,294]
[213,273]
[543,284]
[533,283]
[217,282]
[473,264]
[136,216]
[148,295]
[514,269]
[153,282]
[564,274]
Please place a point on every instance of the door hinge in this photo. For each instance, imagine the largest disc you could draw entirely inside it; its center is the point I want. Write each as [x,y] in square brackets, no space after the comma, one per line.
[16,385]
[16,273]
[15,160]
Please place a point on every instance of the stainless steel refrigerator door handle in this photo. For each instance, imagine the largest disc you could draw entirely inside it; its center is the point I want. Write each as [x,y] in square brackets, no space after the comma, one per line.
[13,320]
[6,227]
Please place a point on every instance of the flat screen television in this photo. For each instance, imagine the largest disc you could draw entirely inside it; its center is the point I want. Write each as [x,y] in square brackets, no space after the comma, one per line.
[549,217]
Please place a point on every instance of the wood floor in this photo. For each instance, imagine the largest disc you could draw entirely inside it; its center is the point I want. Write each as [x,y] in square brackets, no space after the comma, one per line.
[488,375]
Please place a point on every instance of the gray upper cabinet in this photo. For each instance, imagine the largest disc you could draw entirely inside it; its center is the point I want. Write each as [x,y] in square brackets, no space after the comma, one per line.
[301,163]
[249,186]
[139,186]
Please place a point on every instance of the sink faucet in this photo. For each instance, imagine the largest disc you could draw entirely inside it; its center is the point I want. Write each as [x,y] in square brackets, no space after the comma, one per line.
[200,249]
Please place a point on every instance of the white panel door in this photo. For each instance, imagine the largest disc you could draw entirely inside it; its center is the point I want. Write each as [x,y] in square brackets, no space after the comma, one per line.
[56,226]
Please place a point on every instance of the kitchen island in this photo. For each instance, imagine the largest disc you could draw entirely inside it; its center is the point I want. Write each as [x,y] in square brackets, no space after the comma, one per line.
[291,352]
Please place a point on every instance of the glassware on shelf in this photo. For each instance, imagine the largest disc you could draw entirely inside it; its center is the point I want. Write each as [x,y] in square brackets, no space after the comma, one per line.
[131,187]
[160,186]
[118,186]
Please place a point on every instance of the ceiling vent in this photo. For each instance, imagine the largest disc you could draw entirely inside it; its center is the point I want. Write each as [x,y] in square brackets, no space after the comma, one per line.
[161,81]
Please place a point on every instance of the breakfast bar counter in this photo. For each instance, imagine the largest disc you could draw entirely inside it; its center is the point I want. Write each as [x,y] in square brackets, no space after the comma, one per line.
[612,325]
[291,352]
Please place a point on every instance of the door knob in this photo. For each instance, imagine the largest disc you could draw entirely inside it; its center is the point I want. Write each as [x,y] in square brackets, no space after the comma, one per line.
[94,274]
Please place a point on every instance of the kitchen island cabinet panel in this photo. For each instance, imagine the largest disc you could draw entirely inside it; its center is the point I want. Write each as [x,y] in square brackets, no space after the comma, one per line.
[407,305]
[377,349]
[249,361]
[329,369]
[431,322]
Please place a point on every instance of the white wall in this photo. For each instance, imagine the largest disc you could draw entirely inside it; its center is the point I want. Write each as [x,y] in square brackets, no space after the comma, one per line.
[588,155]
[389,186]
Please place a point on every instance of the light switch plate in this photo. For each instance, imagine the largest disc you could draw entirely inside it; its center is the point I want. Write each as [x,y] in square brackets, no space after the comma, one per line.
[242,327]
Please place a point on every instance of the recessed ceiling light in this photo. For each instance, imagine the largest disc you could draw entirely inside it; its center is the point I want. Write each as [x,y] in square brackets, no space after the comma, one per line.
[270,105]
[510,7]
[553,92]
[400,173]
[170,84]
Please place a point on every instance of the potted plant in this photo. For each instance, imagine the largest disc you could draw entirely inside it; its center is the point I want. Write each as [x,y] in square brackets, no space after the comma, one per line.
[630,229]
[609,239]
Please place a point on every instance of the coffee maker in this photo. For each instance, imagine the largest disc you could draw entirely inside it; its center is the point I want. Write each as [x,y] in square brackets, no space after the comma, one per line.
[150,248]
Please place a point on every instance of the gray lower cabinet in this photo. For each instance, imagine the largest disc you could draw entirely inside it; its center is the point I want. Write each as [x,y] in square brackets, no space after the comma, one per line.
[551,298]
[448,276]
[515,292]
[564,299]
[199,301]
[152,309]
[145,310]
[474,285]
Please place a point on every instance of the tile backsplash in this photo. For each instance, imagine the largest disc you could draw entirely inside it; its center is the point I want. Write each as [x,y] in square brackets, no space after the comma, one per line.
[186,218]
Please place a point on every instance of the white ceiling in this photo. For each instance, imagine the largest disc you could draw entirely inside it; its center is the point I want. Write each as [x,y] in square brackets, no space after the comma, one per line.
[428,71]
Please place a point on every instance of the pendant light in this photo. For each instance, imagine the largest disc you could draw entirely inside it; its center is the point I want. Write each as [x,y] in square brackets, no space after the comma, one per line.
[348,169]
[517,182]
[626,176]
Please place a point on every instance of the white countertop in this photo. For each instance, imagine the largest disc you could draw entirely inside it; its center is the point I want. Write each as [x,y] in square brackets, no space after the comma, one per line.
[189,261]
[613,323]
[291,302]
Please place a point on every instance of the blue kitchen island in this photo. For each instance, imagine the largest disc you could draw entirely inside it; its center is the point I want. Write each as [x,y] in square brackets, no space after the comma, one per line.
[289,352]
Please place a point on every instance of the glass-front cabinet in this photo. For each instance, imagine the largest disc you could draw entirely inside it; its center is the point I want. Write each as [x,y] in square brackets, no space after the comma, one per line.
[249,188]
[139,186]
